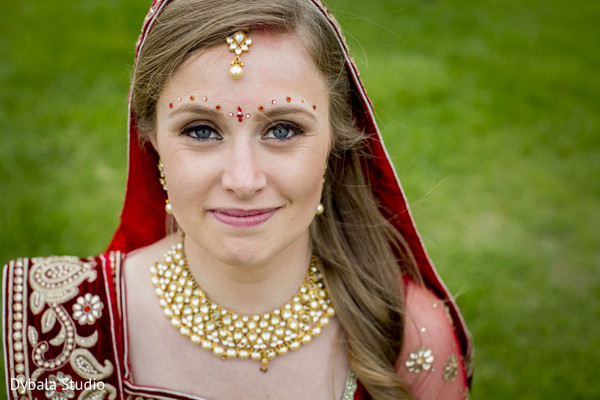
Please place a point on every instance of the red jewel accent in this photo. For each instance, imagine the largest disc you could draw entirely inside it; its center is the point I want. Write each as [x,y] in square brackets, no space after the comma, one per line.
[260,108]
[218,107]
[192,98]
[87,308]
[205,98]
[288,99]
[314,107]
[170,105]
[239,109]
[273,101]
[231,114]
[59,388]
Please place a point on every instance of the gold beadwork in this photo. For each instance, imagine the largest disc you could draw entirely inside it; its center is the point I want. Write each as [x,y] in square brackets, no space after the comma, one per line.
[228,335]
[451,368]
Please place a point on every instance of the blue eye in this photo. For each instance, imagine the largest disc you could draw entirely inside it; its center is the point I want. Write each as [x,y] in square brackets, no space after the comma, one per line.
[283,131]
[202,132]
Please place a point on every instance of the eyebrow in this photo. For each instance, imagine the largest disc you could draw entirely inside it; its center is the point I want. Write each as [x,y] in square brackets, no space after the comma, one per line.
[195,107]
[286,109]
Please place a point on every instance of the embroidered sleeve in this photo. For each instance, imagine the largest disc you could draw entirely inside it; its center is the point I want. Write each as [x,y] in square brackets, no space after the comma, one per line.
[430,361]
[57,329]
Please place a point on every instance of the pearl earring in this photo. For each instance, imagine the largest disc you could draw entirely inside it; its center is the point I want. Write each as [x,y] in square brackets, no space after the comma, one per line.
[163,182]
[320,209]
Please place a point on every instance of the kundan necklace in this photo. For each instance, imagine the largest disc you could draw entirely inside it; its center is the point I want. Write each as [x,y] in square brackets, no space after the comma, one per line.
[229,335]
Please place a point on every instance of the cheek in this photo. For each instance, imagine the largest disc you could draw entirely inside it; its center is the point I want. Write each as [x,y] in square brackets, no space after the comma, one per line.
[304,182]
[189,176]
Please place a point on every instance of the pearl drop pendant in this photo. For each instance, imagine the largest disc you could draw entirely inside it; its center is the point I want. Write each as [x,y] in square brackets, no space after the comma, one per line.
[236,72]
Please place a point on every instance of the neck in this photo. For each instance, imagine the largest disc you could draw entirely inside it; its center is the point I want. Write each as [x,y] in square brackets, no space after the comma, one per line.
[250,288]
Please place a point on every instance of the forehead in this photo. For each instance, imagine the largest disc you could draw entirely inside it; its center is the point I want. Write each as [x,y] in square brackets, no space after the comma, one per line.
[276,65]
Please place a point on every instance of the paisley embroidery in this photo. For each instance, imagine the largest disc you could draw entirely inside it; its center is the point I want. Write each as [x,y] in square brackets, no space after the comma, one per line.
[69,343]
[56,279]
[52,282]
[109,392]
[86,365]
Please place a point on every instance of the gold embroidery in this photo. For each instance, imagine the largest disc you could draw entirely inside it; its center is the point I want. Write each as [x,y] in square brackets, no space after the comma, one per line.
[48,320]
[86,365]
[109,392]
[87,341]
[32,335]
[56,279]
[60,338]
[53,281]
[451,368]
[16,289]
[59,313]
[420,360]
[350,387]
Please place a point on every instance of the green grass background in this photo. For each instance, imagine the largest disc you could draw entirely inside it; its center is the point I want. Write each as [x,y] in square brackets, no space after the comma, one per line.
[490,112]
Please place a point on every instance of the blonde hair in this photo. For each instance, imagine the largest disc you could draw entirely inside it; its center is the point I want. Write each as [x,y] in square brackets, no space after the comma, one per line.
[363,255]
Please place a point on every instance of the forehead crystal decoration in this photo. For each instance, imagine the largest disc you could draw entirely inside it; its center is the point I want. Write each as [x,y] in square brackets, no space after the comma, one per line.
[238,43]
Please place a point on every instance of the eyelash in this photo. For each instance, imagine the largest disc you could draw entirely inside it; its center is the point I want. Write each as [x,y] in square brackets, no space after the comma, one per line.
[295,130]
[292,128]
[189,130]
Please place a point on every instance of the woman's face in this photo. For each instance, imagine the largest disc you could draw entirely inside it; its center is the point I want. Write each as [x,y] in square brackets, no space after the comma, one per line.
[244,159]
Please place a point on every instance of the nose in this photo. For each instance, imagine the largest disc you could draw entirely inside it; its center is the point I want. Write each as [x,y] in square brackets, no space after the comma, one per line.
[243,174]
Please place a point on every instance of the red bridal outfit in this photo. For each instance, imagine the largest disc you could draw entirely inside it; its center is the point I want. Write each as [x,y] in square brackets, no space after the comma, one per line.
[65,322]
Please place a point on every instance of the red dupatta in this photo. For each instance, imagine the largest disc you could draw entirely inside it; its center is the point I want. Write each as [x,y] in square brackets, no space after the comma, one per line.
[143,215]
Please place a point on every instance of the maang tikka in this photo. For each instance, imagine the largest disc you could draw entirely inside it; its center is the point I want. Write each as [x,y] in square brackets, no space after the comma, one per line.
[238,43]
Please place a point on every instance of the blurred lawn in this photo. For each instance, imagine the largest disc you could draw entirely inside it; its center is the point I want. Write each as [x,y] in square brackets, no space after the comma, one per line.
[490,111]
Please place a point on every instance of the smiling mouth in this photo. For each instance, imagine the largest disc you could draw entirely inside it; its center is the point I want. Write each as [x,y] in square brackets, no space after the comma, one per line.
[240,218]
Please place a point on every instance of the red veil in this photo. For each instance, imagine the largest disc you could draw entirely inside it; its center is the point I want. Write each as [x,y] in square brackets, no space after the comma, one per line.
[143,215]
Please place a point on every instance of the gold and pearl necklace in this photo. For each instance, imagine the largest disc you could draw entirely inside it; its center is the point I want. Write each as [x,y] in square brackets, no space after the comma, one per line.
[229,335]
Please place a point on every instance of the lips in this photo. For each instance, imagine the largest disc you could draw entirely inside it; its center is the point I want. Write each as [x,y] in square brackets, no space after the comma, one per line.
[241,218]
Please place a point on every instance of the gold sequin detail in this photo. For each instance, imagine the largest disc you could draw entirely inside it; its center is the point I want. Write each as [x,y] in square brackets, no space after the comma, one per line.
[451,368]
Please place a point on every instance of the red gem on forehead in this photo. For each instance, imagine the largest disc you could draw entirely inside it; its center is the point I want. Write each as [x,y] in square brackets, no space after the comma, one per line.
[218,107]
[239,109]
[314,107]
[273,101]
[288,99]
[260,108]
[192,98]
[170,105]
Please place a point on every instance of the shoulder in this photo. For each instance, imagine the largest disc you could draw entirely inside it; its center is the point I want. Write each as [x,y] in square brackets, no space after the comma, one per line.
[430,361]
[59,324]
